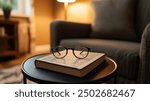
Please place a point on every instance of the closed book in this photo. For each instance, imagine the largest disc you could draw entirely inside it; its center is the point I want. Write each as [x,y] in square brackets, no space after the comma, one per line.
[70,64]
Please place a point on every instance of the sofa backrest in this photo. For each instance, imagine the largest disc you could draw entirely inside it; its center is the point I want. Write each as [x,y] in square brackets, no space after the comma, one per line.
[108,19]
[114,19]
[142,16]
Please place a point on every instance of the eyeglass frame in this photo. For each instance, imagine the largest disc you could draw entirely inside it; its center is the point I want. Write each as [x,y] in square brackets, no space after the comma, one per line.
[73,49]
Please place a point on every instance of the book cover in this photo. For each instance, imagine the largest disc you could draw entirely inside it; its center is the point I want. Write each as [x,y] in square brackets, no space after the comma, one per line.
[70,64]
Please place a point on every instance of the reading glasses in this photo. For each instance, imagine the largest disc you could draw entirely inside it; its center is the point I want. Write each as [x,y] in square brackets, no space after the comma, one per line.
[79,52]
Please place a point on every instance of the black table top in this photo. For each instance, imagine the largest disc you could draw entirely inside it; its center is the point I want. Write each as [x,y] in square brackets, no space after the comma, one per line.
[103,72]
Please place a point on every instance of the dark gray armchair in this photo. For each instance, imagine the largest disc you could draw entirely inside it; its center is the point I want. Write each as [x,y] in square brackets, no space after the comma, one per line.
[120,29]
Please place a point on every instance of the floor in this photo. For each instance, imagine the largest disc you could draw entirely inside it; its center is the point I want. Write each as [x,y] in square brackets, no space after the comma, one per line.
[8,63]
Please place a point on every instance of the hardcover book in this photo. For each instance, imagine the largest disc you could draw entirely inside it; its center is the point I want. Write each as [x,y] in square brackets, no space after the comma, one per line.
[70,64]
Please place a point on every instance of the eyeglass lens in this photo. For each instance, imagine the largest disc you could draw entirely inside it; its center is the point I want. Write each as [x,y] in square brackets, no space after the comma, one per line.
[81,52]
[59,52]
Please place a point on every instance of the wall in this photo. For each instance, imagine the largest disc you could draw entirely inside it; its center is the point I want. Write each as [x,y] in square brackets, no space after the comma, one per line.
[43,17]
[80,11]
[46,11]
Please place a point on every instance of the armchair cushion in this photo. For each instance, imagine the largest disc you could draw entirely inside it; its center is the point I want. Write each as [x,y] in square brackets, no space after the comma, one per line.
[114,19]
[126,54]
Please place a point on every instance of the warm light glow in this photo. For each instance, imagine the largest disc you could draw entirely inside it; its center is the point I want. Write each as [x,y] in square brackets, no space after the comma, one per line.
[66,1]
[66,6]
[80,12]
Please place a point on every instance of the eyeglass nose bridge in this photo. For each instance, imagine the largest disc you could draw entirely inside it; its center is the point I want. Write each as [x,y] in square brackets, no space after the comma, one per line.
[72,51]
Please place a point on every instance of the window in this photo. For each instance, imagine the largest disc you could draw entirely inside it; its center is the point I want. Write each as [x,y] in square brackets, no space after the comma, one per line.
[20,7]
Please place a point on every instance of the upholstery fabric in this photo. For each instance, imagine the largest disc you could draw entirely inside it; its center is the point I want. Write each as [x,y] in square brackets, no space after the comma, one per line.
[123,80]
[64,30]
[126,54]
[114,19]
[144,71]
[142,16]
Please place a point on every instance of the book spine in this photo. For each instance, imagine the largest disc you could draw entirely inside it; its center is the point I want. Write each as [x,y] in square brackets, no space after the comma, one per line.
[57,68]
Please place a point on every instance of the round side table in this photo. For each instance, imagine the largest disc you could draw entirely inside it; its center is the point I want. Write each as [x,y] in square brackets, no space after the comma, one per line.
[100,74]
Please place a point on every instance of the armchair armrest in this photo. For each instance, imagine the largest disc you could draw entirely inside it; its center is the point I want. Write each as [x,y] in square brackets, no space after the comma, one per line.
[67,30]
[144,68]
